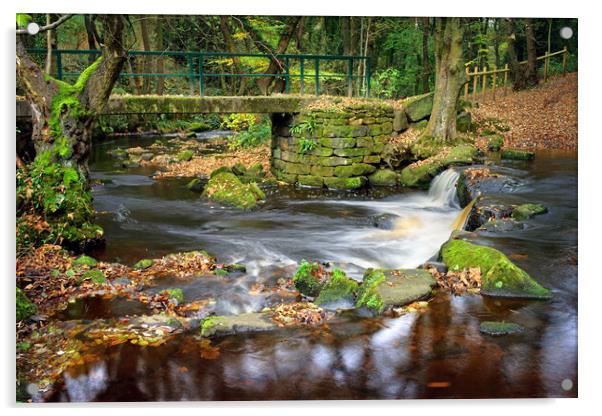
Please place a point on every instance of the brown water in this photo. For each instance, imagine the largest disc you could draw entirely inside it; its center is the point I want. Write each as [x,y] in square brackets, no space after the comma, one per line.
[439,353]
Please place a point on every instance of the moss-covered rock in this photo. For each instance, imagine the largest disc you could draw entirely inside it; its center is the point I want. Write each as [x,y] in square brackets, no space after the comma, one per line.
[345,184]
[85,261]
[25,307]
[421,173]
[96,276]
[526,211]
[495,143]
[418,107]
[143,264]
[338,288]
[184,156]
[195,185]
[385,288]
[310,181]
[383,177]
[515,154]
[463,122]
[226,188]
[234,324]
[500,277]
[175,294]
[499,328]
[357,169]
[308,278]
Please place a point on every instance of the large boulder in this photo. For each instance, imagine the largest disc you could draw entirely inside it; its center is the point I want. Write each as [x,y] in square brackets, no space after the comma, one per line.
[382,289]
[418,107]
[226,188]
[482,181]
[420,174]
[500,277]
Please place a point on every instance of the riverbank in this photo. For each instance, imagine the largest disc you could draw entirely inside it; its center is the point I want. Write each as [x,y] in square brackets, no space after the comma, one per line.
[544,117]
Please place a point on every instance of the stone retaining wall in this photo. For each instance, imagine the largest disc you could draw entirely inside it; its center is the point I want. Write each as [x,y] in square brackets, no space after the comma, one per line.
[346,144]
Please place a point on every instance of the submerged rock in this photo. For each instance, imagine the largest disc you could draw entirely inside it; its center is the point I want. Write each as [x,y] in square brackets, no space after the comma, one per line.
[482,181]
[385,221]
[502,225]
[515,154]
[195,185]
[226,188]
[526,211]
[385,288]
[499,328]
[500,277]
[246,322]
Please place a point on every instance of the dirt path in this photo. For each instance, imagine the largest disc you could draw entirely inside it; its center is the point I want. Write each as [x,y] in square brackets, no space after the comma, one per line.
[541,117]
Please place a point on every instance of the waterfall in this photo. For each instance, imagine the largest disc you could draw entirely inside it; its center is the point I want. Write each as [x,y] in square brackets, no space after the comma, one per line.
[443,189]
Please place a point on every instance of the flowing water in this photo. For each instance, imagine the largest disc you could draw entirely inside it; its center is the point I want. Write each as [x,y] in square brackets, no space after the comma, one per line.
[435,354]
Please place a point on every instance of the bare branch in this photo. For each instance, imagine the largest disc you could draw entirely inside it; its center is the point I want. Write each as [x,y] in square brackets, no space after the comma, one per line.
[60,21]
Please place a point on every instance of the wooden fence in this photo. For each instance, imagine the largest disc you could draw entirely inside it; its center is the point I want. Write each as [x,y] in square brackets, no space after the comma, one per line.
[497,79]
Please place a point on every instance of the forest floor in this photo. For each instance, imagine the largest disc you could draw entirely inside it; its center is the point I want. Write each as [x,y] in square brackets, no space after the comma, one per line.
[540,117]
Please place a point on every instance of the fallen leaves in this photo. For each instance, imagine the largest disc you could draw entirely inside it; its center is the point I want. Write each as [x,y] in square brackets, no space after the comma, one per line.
[541,117]
[458,282]
[298,313]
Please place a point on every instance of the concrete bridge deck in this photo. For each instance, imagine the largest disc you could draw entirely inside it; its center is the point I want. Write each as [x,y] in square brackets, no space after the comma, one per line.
[178,104]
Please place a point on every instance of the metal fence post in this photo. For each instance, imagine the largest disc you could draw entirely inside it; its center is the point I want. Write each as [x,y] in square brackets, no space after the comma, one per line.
[59,65]
[301,81]
[350,77]
[286,75]
[201,75]
[368,75]
[317,76]
[190,74]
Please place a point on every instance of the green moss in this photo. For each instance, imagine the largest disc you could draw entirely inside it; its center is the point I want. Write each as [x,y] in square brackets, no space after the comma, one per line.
[526,211]
[418,107]
[25,307]
[383,177]
[499,328]
[220,272]
[208,324]
[175,294]
[307,280]
[143,264]
[95,276]
[195,185]
[345,184]
[339,287]
[85,261]
[495,143]
[184,156]
[421,173]
[356,169]
[515,154]
[368,295]
[427,146]
[226,188]
[499,275]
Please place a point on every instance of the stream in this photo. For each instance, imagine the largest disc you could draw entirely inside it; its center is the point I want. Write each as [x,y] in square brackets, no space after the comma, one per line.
[439,353]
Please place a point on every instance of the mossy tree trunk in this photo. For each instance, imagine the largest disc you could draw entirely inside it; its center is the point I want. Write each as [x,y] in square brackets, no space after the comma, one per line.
[450,77]
[63,113]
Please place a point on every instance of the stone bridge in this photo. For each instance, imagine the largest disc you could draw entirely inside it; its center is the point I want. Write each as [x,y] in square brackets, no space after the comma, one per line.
[316,141]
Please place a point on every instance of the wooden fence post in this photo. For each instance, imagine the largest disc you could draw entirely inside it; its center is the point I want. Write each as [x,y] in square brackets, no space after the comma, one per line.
[484,81]
[466,85]
[505,78]
[475,80]
[564,60]
[494,82]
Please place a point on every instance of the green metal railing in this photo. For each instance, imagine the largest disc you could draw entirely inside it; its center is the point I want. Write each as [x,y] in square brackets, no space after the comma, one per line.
[198,68]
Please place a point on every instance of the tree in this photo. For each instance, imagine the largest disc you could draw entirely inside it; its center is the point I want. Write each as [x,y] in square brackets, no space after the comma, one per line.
[63,113]
[450,77]
[531,74]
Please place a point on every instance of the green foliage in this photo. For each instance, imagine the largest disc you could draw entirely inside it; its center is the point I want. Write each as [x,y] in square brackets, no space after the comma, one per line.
[23,19]
[305,128]
[256,135]
[239,121]
[306,145]
[388,83]
[25,308]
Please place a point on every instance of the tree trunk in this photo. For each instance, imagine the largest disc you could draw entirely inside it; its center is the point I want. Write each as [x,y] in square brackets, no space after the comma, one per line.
[517,71]
[90,34]
[147,61]
[532,78]
[159,62]
[346,35]
[450,77]
[63,114]
[426,66]
[223,23]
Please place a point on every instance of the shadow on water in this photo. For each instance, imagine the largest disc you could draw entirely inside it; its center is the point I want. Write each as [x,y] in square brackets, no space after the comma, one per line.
[438,353]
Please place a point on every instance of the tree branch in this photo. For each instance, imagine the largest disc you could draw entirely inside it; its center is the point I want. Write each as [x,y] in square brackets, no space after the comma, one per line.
[51,26]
